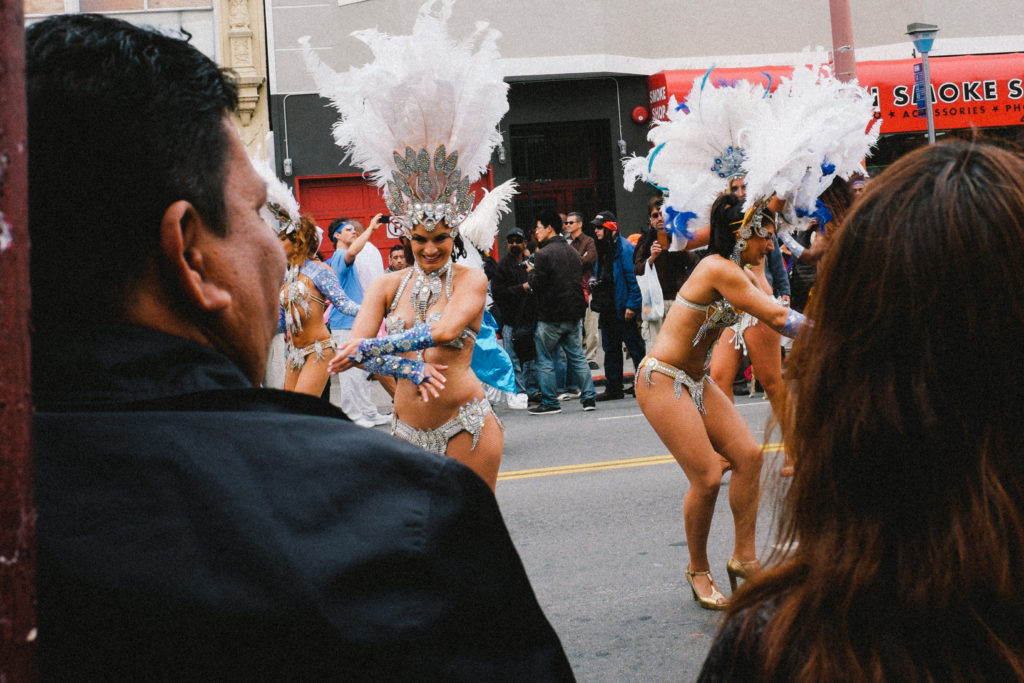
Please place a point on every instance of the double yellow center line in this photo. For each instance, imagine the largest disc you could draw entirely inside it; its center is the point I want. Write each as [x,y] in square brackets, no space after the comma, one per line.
[605,465]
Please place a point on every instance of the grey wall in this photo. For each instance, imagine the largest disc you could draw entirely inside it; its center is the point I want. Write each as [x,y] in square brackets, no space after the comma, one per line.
[641,37]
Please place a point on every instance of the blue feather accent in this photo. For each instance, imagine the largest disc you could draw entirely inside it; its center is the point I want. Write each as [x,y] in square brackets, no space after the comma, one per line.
[706,75]
[827,168]
[677,222]
[769,88]
[656,152]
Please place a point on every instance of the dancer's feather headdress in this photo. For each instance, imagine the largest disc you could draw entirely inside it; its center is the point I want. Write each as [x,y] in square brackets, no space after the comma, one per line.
[701,145]
[789,144]
[819,127]
[421,120]
[281,211]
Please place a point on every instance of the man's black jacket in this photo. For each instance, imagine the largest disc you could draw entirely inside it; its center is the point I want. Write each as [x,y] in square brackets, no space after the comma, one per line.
[192,527]
[557,280]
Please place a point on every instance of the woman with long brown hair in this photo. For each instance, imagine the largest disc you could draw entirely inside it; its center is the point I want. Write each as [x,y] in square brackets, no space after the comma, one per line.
[904,524]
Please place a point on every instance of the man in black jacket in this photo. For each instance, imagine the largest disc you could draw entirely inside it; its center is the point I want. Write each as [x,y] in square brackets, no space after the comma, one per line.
[192,526]
[517,306]
[557,280]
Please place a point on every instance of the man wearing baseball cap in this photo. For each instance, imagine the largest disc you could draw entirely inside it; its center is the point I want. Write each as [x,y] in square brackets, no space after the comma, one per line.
[514,303]
[619,317]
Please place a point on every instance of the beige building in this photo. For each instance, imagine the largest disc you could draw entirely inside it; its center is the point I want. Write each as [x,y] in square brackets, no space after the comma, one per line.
[231,32]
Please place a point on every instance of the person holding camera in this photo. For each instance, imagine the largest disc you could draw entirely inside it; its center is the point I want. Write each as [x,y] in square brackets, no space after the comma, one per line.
[556,277]
[615,296]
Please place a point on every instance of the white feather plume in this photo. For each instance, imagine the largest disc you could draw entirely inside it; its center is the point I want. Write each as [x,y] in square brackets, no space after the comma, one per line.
[481,226]
[277,193]
[686,146]
[420,91]
[818,128]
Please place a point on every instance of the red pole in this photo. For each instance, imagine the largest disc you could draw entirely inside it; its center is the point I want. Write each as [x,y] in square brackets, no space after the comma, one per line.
[17,507]
[843,58]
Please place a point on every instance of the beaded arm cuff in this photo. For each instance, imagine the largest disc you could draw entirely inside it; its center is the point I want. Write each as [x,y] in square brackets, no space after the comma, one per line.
[416,338]
[397,367]
[327,282]
[794,321]
[795,248]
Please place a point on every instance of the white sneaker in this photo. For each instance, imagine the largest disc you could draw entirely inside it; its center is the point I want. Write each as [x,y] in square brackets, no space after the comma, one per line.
[363,422]
[569,395]
[518,401]
[378,419]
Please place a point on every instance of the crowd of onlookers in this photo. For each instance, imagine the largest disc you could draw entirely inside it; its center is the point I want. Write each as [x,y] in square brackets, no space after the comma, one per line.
[605,304]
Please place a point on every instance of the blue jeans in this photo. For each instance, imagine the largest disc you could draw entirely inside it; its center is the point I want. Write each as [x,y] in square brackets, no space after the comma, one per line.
[614,333]
[550,337]
[563,381]
[526,373]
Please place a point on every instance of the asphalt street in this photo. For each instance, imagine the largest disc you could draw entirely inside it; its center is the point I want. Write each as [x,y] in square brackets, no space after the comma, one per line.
[593,503]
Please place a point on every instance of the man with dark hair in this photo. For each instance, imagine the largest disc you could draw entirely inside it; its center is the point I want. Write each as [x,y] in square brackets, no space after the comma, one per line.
[557,280]
[619,317]
[585,247]
[396,259]
[192,526]
[516,307]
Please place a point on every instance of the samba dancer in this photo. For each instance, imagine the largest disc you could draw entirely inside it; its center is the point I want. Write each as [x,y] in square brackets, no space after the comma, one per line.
[780,145]
[426,152]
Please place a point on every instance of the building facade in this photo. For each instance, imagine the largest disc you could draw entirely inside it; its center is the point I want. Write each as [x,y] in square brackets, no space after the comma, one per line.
[231,32]
[584,78]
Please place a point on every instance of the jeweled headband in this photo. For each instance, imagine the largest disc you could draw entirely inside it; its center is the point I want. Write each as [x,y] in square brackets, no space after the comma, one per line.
[752,224]
[425,192]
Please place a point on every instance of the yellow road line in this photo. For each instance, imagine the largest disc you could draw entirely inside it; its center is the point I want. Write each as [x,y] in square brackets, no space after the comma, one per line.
[605,465]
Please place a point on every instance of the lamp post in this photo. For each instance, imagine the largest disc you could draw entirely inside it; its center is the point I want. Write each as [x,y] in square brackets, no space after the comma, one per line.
[923,36]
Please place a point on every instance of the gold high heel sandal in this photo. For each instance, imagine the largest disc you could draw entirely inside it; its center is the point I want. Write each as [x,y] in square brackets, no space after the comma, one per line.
[712,601]
[741,570]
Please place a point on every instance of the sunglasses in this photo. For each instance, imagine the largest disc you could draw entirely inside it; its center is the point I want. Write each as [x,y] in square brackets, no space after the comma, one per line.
[515,240]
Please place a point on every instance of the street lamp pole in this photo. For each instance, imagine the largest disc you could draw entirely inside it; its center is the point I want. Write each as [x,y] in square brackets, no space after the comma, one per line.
[923,36]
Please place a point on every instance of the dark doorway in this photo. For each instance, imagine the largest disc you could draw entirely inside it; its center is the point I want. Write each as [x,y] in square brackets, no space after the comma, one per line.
[562,166]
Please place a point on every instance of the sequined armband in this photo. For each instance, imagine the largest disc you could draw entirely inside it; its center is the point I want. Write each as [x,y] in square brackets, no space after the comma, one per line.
[795,248]
[794,322]
[397,367]
[416,338]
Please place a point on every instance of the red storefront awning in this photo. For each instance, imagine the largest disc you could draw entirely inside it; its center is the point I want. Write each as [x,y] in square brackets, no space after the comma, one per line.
[974,90]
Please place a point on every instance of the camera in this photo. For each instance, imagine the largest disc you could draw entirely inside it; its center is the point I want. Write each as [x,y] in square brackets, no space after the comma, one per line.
[385,219]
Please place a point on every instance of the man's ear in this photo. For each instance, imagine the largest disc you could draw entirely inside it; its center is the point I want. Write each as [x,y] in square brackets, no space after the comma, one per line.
[184,236]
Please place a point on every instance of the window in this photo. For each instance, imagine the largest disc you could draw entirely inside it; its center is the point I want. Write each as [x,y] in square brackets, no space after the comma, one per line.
[174,17]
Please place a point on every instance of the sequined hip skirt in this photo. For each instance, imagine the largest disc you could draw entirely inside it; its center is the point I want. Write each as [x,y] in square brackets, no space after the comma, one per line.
[695,387]
[296,357]
[470,418]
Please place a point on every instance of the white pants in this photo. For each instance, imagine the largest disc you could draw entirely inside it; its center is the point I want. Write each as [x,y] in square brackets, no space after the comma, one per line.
[350,390]
[273,377]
